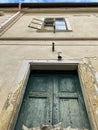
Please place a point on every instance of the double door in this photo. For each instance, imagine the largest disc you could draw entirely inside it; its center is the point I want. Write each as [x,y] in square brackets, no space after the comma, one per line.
[53,97]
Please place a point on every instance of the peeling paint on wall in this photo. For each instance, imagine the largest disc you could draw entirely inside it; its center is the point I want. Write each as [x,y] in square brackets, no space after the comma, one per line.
[96,76]
[96,88]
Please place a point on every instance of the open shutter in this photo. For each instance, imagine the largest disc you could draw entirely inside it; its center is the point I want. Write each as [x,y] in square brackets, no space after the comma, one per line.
[68,24]
[36,23]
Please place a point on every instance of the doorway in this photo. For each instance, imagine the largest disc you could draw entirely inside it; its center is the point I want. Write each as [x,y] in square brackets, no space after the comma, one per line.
[52,97]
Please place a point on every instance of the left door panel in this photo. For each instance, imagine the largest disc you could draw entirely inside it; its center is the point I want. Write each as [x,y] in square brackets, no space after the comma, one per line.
[37,103]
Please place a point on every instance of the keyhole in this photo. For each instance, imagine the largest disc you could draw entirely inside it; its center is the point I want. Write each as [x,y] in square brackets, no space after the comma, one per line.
[49,121]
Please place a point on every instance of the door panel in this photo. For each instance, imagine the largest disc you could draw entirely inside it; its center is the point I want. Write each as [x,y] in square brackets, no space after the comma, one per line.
[52,97]
[34,112]
[84,116]
[39,83]
[69,107]
[69,113]
[68,81]
[36,108]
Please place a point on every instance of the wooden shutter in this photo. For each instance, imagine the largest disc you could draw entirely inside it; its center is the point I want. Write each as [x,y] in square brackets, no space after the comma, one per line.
[68,24]
[36,23]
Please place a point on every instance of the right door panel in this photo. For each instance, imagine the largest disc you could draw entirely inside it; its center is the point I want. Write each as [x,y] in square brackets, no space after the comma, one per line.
[69,107]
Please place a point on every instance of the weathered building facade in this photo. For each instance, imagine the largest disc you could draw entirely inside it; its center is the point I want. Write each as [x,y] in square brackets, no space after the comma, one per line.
[23,49]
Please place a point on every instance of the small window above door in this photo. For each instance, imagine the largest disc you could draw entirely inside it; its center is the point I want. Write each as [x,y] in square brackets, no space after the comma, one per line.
[58,24]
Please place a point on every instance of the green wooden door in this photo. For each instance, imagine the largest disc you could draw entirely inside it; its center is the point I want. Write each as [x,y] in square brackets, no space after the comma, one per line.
[53,97]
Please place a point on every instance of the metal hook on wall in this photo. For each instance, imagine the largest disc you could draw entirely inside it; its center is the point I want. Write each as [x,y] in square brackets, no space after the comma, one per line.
[53,47]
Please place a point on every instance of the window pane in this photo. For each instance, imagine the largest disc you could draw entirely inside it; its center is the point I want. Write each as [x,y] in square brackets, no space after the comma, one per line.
[60,23]
[48,28]
[60,27]
[48,21]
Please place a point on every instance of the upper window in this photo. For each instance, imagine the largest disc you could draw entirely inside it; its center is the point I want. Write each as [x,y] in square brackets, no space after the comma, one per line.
[51,24]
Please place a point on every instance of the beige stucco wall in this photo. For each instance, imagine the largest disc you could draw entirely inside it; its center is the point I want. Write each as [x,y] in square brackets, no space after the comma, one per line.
[5,16]
[84,25]
[14,52]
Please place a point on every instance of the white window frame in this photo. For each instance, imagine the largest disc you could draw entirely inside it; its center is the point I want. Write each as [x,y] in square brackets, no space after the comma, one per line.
[39,25]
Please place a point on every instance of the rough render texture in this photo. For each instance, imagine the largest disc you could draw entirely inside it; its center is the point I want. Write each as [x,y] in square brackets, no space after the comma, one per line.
[12,54]
[80,28]
[5,16]
[89,89]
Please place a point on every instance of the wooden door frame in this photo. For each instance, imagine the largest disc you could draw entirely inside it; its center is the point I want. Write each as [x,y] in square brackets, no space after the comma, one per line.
[11,108]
